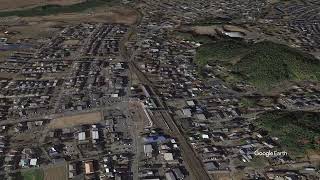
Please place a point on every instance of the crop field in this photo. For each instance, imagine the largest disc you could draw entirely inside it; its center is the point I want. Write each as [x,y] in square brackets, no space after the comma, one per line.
[264,64]
[47,26]
[298,132]
[8,5]
[48,9]
[56,172]
[32,175]
[70,121]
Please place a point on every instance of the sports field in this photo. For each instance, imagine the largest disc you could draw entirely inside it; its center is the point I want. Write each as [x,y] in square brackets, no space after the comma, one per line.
[70,121]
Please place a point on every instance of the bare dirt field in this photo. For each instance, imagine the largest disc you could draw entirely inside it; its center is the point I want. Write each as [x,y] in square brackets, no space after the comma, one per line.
[5,75]
[24,139]
[213,29]
[205,30]
[139,114]
[55,172]
[70,121]
[46,26]
[122,15]
[314,156]
[7,5]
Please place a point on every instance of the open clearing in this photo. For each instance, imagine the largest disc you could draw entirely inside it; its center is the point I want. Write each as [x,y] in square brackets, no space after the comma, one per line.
[55,172]
[7,5]
[70,121]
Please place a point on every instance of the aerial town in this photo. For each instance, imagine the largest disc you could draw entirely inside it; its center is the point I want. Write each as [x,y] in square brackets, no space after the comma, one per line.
[160,90]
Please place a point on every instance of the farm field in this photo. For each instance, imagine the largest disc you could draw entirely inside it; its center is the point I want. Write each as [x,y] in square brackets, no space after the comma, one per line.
[36,174]
[46,26]
[8,5]
[49,9]
[56,172]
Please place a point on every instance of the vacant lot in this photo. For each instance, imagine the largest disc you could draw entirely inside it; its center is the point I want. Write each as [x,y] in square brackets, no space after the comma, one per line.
[70,121]
[7,5]
[56,172]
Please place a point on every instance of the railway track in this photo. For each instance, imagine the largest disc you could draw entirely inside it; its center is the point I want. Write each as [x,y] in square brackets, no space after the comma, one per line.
[194,164]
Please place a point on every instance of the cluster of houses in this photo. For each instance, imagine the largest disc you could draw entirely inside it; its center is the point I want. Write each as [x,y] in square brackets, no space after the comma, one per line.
[67,43]
[295,97]
[92,83]
[54,78]
[80,69]
[162,158]
[104,40]
[26,98]
[91,151]
[215,119]
[303,21]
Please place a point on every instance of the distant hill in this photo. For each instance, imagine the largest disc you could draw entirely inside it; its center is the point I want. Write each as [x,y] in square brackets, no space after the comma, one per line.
[264,64]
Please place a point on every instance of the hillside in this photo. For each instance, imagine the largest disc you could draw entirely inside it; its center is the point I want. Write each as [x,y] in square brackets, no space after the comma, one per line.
[269,64]
[297,131]
[264,64]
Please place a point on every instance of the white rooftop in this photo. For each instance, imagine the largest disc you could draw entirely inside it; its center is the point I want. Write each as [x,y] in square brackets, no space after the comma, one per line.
[168,156]
[33,162]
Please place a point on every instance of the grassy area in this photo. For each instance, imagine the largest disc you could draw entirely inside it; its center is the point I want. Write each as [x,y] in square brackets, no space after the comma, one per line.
[33,175]
[247,103]
[56,9]
[257,162]
[297,131]
[223,51]
[264,64]
[189,37]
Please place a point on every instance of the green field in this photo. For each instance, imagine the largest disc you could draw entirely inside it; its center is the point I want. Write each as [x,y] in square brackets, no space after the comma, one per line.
[220,52]
[56,9]
[264,64]
[33,175]
[297,131]
[189,37]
